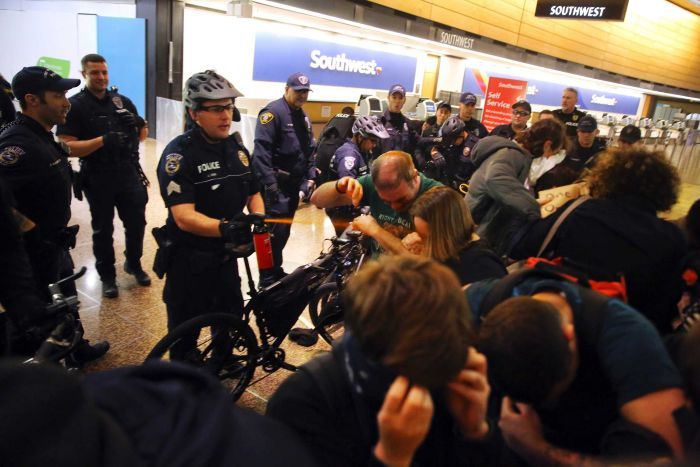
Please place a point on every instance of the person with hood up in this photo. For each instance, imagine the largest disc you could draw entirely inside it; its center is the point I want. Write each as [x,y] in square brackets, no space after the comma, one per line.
[498,199]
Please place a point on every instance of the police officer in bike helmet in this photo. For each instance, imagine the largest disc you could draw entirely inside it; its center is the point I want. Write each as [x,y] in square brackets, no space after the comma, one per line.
[204,177]
[352,160]
[448,161]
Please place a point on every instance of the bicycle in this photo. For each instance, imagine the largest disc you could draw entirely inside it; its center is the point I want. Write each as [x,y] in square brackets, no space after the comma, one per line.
[61,332]
[227,345]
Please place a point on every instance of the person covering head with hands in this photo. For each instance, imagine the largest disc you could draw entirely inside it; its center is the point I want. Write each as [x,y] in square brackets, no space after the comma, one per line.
[205,181]
[103,129]
[573,385]
[389,190]
[403,387]
[283,163]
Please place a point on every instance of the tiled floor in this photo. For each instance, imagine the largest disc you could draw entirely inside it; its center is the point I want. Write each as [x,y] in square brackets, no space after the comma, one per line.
[136,320]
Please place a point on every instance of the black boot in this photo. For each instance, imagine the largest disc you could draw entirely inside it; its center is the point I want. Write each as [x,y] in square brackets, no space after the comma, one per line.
[142,278]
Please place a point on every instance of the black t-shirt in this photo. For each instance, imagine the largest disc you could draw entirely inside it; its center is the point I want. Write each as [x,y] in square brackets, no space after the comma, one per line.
[506,131]
[580,157]
[475,127]
[570,120]
[90,117]
[37,171]
[477,262]
[215,177]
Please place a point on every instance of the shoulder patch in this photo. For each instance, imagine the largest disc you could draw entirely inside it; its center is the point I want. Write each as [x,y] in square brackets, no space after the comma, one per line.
[466,151]
[243,158]
[172,163]
[118,102]
[266,117]
[349,163]
[10,155]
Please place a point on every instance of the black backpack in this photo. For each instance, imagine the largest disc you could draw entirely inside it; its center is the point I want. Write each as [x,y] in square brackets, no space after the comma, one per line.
[334,135]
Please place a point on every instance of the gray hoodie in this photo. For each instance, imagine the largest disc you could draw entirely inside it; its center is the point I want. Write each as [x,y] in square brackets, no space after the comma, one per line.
[498,200]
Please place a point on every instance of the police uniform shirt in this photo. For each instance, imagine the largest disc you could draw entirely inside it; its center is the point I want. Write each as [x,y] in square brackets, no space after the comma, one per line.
[401,135]
[580,157]
[278,146]
[348,162]
[90,117]
[36,168]
[216,178]
[570,120]
[475,127]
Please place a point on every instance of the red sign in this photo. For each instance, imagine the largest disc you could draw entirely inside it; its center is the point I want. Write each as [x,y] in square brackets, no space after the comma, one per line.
[501,94]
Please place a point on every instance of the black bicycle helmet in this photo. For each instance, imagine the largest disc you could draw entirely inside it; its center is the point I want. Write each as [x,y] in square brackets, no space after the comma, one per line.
[208,85]
[451,130]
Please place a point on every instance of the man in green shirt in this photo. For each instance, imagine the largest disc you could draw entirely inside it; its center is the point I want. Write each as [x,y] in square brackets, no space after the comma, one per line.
[390,190]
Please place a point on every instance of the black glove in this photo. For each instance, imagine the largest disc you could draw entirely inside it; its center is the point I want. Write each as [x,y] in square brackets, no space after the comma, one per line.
[238,236]
[115,140]
[126,118]
[272,194]
[439,160]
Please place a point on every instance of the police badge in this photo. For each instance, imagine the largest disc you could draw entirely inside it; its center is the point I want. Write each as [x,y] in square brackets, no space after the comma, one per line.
[10,155]
[243,158]
[266,117]
[118,102]
[172,163]
[574,117]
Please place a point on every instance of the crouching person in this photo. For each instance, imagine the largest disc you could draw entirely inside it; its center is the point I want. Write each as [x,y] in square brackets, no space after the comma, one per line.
[584,376]
[404,386]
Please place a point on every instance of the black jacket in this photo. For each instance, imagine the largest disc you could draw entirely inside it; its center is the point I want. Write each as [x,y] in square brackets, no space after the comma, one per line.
[625,236]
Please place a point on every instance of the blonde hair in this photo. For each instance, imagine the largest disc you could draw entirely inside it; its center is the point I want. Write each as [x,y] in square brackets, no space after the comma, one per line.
[451,224]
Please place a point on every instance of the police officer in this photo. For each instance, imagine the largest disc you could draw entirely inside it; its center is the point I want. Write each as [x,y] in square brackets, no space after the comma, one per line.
[37,171]
[521,114]
[467,104]
[586,146]
[352,160]
[443,112]
[569,115]
[448,162]
[282,162]
[102,130]
[205,181]
[402,136]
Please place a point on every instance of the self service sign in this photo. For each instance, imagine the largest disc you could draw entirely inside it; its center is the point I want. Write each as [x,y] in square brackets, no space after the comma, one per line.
[277,56]
[611,10]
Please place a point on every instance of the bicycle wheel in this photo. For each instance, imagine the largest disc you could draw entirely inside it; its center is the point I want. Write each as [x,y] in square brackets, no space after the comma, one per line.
[225,346]
[326,312]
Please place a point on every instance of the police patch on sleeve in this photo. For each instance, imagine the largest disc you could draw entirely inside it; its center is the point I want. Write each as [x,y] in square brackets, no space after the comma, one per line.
[172,163]
[349,163]
[243,158]
[10,155]
[118,102]
[466,151]
[266,117]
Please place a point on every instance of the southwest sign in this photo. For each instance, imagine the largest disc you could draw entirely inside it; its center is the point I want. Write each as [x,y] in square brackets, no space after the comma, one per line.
[611,10]
[277,56]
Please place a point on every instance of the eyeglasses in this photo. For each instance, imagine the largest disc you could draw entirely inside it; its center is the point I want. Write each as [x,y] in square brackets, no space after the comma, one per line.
[521,113]
[217,109]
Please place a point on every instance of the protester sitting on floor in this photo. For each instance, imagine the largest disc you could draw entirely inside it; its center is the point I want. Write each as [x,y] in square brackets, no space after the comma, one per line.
[498,199]
[582,374]
[404,386]
[454,243]
[618,231]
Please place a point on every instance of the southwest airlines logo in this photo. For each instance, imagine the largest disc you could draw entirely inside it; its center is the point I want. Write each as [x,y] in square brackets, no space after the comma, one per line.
[341,63]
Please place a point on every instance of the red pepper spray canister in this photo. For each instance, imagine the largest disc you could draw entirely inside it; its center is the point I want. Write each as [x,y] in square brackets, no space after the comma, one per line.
[263,247]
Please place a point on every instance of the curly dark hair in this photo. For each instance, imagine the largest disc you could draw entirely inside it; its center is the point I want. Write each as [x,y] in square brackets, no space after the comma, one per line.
[533,138]
[637,172]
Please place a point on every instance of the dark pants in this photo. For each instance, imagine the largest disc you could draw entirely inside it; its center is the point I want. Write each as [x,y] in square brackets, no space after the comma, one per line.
[284,210]
[199,282]
[120,188]
[50,263]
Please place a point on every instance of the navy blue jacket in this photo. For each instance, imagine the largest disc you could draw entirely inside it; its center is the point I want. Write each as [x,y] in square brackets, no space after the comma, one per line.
[348,162]
[277,146]
[401,138]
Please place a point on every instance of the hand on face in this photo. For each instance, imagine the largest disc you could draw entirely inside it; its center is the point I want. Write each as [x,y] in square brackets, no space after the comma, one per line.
[468,395]
[520,426]
[404,421]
